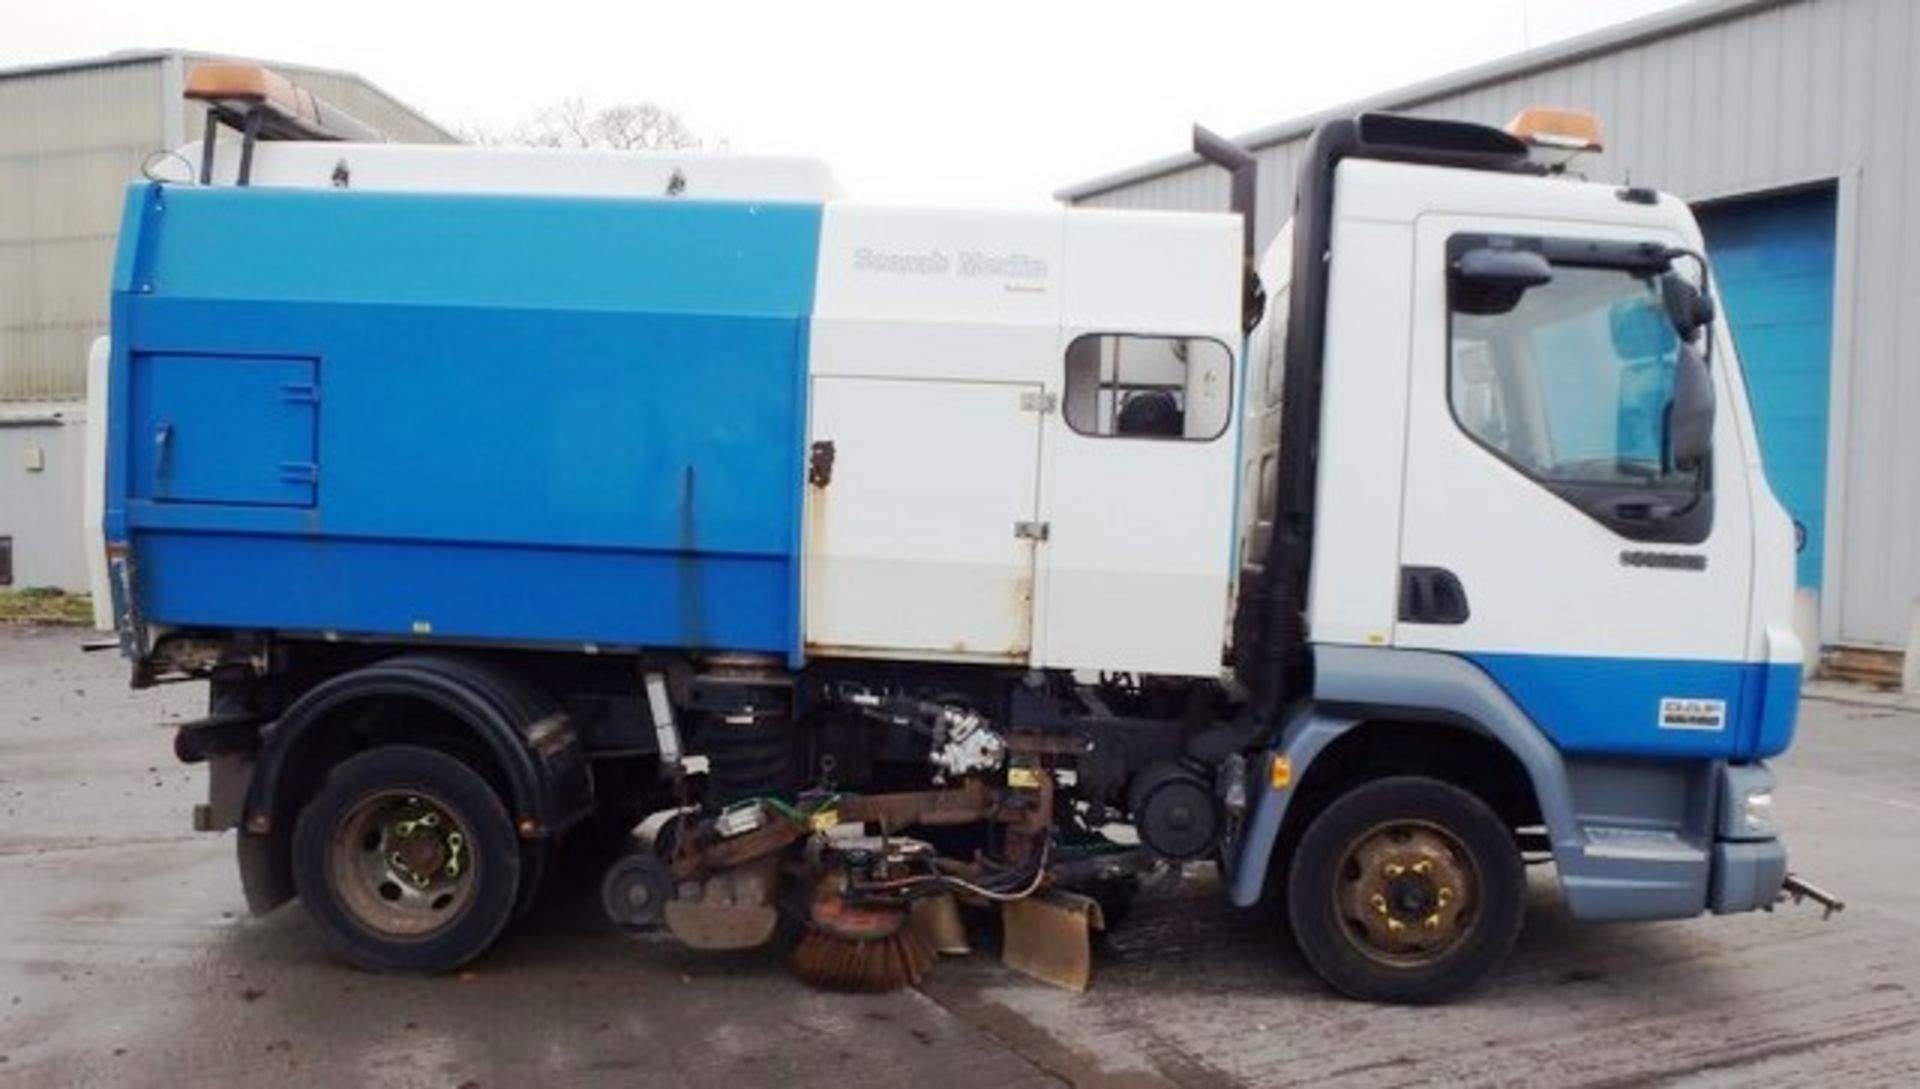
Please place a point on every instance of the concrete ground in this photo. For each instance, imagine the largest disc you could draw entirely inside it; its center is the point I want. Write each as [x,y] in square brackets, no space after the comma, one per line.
[127,958]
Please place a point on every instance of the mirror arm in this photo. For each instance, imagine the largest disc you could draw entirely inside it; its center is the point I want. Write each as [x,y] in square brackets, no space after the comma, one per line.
[1700,472]
[1673,253]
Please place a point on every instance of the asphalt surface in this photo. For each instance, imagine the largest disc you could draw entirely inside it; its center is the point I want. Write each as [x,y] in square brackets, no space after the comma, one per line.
[127,958]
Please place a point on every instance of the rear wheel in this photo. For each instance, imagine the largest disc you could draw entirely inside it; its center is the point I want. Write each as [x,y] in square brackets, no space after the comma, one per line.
[408,860]
[1407,890]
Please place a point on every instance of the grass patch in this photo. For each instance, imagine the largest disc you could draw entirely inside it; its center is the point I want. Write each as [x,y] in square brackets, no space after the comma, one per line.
[44,606]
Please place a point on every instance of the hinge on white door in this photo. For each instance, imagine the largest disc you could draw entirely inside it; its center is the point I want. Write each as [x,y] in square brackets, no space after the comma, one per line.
[1036,401]
[1031,531]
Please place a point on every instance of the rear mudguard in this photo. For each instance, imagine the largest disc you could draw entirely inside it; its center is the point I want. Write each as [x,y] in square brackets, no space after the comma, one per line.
[531,743]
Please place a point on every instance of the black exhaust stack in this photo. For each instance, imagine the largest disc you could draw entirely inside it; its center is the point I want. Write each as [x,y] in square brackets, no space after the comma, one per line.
[1244,170]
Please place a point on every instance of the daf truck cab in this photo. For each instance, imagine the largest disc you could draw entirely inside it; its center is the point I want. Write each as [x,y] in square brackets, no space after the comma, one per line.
[880,564]
[1537,519]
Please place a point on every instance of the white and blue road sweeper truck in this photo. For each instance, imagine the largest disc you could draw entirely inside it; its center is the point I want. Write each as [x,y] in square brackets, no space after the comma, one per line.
[882,565]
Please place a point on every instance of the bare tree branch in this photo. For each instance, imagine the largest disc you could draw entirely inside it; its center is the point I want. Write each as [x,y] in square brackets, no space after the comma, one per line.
[572,122]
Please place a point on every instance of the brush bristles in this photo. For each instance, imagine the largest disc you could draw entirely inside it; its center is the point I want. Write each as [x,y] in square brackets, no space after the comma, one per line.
[871,966]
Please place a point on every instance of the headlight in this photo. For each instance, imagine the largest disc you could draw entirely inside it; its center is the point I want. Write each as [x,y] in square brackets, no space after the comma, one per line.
[1756,812]
[1746,802]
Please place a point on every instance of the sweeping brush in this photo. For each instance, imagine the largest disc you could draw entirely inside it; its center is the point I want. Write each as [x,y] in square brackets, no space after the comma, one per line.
[861,949]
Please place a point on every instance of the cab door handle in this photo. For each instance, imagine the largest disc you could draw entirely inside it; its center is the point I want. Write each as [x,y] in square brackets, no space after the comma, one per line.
[1432,595]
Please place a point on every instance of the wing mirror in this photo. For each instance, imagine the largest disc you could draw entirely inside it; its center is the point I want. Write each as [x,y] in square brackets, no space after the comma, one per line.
[1508,268]
[1690,414]
[1491,281]
[1691,309]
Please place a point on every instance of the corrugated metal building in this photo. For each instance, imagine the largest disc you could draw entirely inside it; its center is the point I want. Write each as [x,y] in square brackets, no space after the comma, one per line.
[72,135]
[1794,126]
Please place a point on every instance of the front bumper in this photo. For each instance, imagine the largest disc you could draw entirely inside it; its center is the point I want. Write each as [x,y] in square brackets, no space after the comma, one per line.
[1671,879]
[1746,876]
[1726,859]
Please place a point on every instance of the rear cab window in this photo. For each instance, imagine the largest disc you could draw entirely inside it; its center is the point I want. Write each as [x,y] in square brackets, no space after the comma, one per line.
[1129,386]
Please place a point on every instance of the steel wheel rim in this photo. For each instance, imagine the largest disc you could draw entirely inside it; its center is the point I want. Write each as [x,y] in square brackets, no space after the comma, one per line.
[1406,893]
[403,864]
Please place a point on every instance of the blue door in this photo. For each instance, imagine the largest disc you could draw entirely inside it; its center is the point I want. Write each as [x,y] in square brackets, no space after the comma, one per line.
[230,429]
[1773,257]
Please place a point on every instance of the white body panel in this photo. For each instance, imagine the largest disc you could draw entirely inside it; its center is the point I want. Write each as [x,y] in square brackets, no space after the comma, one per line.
[1363,444]
[456,169]
[1139,564]
[910,548]
[910,293]
[928,328]
[93,494]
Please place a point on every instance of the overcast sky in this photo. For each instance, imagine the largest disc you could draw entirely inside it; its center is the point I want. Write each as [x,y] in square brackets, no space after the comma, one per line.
[975,102]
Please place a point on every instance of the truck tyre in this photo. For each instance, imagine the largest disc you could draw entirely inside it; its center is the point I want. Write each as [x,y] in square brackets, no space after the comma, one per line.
[407,859]
[1405,890]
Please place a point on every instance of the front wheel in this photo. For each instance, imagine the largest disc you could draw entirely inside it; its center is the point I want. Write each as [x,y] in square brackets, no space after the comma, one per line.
[1406,890]
[407,859]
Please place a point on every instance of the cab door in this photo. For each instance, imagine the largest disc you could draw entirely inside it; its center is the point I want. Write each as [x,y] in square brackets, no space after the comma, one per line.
[1547,534]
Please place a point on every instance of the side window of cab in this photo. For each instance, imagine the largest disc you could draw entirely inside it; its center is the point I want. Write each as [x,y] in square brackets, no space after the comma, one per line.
[1574,380]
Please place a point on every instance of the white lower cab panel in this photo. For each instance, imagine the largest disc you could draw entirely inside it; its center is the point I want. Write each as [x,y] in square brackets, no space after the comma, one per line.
[1137,560]
[1141,622]
[912,511]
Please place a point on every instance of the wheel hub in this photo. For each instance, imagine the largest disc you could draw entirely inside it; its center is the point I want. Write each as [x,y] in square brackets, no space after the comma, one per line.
[424,848]
[1412,897]
[402,863]
[1407,894]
